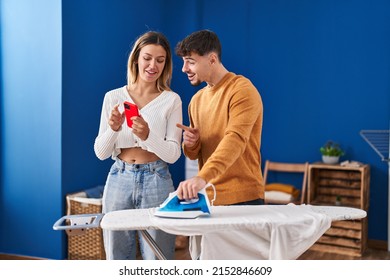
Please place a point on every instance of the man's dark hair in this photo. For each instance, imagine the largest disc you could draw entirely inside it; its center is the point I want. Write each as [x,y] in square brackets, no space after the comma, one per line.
[200,42]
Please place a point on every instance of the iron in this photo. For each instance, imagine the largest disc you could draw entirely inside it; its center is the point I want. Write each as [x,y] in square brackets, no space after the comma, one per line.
[173,207]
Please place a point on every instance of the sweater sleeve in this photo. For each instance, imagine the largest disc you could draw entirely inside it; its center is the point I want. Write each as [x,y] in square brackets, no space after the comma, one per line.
[168,148]
[244,110]
[105,141]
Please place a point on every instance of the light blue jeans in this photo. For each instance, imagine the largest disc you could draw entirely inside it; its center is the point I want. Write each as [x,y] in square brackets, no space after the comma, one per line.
[136,186]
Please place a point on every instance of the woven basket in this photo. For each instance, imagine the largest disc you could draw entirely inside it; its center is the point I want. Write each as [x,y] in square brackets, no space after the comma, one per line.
[88,246]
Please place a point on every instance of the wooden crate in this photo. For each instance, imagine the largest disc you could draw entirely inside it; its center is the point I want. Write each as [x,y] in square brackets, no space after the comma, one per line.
[344,186]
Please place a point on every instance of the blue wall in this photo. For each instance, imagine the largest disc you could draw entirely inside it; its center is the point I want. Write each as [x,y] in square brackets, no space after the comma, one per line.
[30,127]
[322,68]
[96,42]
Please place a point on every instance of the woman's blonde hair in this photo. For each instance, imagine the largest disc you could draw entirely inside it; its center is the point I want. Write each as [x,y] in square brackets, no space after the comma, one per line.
[150,38]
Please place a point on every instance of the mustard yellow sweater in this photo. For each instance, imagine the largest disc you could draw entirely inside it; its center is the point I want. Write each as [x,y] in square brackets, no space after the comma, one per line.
[229,116]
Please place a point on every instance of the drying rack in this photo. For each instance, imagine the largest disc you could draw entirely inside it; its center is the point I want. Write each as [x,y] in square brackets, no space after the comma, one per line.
[379,141]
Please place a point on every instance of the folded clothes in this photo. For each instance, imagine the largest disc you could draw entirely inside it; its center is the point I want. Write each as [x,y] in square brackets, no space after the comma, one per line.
[278,197]
[286,188]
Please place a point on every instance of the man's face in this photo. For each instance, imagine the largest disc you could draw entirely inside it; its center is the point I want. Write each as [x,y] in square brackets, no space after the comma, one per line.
[197,68]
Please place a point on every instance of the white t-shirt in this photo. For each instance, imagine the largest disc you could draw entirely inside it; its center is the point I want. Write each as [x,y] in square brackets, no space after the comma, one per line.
[162,114]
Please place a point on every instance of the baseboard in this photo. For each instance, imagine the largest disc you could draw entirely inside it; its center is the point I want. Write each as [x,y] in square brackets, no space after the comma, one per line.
[377,244]
[18,257]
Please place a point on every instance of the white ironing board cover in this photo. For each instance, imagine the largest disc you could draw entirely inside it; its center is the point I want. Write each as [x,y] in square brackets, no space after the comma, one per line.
[340,213]
[243,232]
[252,232]
[132,219]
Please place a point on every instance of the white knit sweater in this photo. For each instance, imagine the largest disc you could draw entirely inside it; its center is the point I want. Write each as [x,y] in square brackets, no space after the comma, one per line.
[162,114]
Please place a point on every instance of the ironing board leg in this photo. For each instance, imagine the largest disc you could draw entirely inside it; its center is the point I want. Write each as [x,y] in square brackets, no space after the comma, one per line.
[157,251]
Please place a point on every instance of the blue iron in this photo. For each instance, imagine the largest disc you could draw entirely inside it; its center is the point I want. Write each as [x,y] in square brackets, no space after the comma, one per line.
[173,207]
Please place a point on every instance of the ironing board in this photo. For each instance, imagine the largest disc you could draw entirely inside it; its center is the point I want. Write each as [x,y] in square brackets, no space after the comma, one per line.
[273,230]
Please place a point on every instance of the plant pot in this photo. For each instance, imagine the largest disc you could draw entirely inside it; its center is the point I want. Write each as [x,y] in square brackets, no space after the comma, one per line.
[330,159]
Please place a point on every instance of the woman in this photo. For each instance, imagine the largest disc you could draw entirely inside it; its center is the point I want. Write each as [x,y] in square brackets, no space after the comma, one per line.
[139,177]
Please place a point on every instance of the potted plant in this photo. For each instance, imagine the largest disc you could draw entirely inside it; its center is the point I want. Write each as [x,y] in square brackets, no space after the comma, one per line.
[331,152]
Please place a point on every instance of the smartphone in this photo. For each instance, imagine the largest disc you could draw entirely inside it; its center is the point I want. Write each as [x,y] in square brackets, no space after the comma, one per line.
[131,110]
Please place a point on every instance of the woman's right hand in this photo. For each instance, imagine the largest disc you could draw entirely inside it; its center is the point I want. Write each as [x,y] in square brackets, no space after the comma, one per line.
[116,118]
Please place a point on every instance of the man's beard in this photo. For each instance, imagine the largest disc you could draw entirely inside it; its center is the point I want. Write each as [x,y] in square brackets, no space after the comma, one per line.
[197,83]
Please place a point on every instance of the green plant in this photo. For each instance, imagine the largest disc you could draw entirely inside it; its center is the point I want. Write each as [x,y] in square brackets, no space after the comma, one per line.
[331,149]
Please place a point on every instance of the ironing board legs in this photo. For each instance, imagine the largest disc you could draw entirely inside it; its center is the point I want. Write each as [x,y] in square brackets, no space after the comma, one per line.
[157,251]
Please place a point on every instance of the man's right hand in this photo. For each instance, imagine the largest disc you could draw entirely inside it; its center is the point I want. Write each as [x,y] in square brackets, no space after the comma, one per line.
[189,188]
[190,135]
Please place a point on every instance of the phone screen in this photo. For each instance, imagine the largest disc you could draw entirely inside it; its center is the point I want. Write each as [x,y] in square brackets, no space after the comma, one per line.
[131,110]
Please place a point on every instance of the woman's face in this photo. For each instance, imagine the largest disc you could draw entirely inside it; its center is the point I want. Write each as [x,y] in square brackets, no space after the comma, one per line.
[151,62]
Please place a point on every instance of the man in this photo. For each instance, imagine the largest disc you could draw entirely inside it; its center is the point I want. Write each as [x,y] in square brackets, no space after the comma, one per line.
[225,126]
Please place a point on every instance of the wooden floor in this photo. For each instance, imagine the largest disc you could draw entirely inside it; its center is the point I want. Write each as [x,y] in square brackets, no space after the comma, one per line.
[369,254]
[182,253]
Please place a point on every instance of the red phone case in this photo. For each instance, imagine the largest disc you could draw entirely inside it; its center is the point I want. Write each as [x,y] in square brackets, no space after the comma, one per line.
[131,110]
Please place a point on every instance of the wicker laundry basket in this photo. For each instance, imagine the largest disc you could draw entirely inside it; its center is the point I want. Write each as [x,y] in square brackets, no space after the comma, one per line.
[88,246]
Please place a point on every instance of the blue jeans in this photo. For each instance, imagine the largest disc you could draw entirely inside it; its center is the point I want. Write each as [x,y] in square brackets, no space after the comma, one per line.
[136,186]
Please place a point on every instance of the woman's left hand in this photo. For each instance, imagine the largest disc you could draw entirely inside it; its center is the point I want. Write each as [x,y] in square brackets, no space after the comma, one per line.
[140,128]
